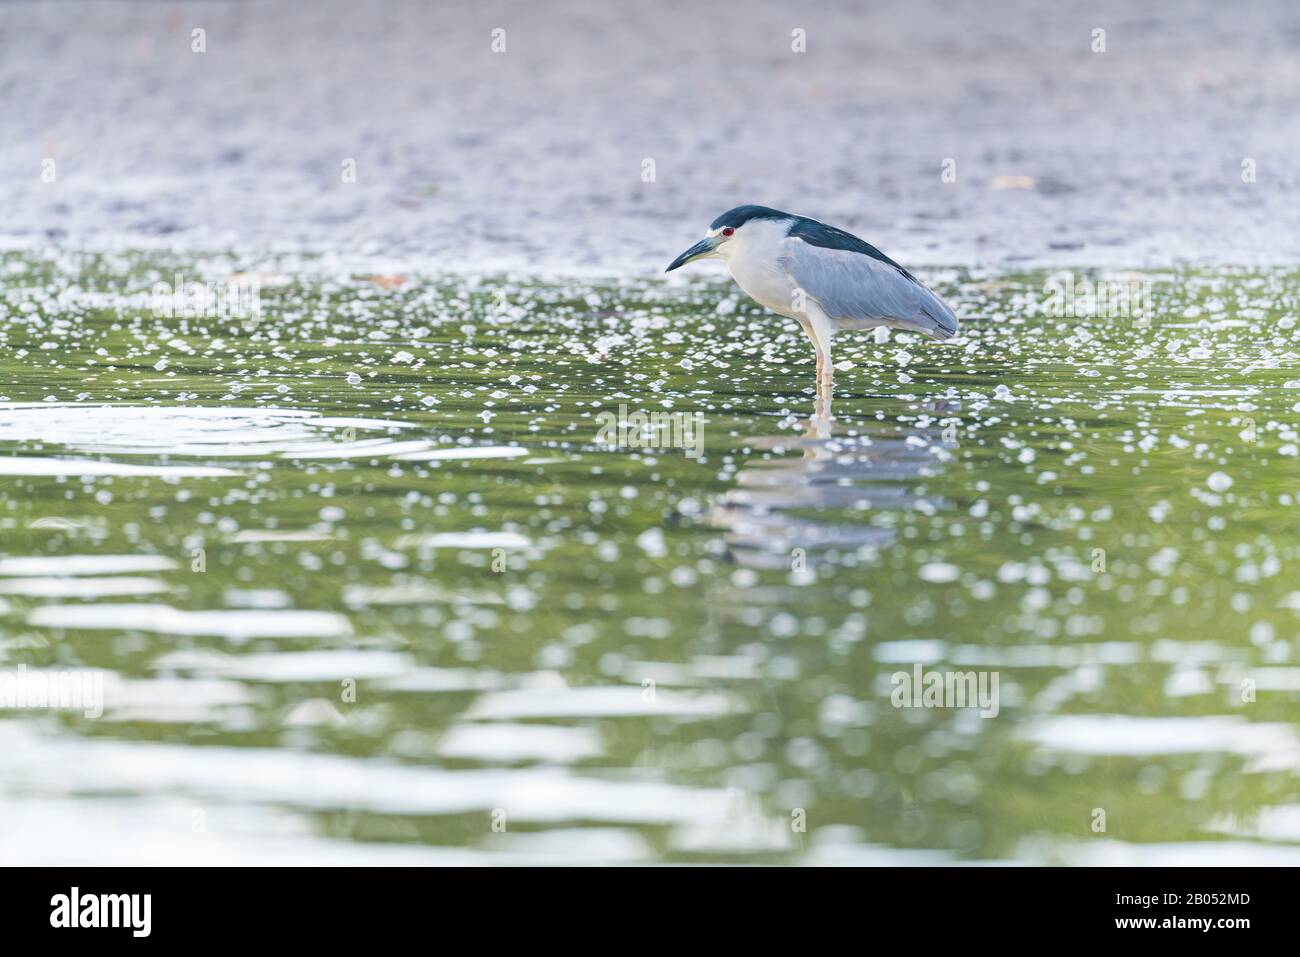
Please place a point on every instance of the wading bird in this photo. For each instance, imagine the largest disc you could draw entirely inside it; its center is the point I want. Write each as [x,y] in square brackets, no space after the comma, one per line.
[822,277]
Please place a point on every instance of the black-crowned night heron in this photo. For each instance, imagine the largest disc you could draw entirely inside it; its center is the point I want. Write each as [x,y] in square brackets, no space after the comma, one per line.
[824,278]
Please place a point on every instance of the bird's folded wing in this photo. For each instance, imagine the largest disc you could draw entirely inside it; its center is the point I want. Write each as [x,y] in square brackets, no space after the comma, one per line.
[851,287]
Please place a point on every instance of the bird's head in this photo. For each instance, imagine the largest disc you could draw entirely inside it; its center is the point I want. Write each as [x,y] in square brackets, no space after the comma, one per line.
[726,233]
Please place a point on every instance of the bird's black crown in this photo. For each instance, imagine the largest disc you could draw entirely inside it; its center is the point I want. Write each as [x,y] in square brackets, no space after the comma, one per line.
[735,218]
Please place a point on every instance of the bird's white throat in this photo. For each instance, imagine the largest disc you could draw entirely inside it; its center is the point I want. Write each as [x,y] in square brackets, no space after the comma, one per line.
[753,256]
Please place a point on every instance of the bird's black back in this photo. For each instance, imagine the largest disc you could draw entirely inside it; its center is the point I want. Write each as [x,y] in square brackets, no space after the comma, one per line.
[809,230]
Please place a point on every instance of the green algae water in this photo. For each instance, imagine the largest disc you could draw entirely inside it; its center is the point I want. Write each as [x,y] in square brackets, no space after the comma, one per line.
[441,569]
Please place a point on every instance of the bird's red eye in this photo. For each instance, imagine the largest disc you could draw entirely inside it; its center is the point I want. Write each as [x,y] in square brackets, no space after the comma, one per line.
[727,231]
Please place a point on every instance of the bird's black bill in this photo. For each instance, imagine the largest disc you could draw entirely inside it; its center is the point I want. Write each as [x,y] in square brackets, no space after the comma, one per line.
[703,247]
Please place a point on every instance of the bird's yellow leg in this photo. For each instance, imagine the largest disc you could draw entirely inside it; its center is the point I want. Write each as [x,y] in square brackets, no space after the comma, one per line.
[807,328]
[820,332]
[820,338]
[822,403]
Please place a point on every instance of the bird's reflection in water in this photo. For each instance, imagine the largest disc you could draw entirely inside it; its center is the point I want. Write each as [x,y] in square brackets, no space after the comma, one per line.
[776,507]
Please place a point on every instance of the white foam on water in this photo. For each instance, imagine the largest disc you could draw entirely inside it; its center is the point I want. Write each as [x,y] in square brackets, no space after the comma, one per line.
[288,666]
[553,744]
[58,832]
[1280,823]
[454,454]
[190,701]
[68,766]
[599,702]
[163,619]
[464,540]
[1103,852]
[77,468]
[250,535]
[82,587]
[194,431]
[356,450]
[1115,734]
[48,565]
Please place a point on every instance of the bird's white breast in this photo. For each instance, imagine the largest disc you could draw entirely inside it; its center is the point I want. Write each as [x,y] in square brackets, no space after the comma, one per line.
[753,259]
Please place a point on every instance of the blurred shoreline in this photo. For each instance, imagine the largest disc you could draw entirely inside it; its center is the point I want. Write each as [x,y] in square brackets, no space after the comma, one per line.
[534,158]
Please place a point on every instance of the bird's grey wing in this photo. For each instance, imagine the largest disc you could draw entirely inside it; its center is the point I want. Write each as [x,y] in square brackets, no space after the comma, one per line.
[855,289]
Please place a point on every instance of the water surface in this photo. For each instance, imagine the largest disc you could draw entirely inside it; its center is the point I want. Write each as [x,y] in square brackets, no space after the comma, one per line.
[362,585]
